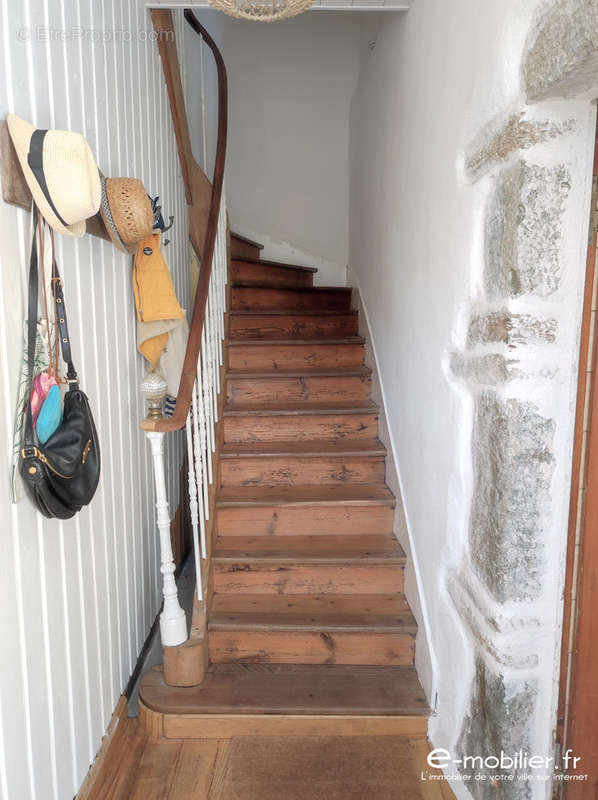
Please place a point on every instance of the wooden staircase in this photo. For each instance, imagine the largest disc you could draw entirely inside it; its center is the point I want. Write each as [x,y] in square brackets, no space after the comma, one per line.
[309,630]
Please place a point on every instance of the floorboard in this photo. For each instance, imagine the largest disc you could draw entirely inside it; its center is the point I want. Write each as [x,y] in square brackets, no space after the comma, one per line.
[266,768]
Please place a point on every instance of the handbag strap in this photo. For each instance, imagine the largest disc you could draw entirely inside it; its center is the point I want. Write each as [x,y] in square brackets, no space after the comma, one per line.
[71,375]
[63,330]
[28,438]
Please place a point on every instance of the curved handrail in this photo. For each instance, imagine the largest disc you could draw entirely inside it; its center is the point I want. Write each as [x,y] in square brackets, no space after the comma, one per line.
[189,372]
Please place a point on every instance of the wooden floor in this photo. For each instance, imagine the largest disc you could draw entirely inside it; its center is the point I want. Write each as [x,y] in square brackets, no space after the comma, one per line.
[137,767]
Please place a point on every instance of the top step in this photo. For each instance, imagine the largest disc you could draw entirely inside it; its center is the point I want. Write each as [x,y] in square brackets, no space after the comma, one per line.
[242,247]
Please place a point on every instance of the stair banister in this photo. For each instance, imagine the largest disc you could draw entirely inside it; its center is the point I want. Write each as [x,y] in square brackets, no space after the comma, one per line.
[197,404]
[196,201]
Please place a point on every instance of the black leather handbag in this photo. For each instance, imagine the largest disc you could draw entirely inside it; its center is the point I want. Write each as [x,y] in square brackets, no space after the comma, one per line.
[62,476]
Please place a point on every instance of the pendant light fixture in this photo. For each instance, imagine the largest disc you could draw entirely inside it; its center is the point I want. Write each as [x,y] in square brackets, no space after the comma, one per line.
[262,10]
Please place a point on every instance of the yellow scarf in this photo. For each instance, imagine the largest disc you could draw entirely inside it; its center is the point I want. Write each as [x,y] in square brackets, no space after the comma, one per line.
[155,298]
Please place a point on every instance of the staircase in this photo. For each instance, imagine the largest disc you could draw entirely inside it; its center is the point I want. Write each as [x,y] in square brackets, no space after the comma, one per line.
[309,630]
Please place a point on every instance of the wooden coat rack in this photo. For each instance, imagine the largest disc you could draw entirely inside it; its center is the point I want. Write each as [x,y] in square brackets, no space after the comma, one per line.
[14,186]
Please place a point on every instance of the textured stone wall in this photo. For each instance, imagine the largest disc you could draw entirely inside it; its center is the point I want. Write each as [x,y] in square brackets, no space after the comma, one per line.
[523,230]
[562,60]
[518,365]
[512,461]
[499,589]
[495,721]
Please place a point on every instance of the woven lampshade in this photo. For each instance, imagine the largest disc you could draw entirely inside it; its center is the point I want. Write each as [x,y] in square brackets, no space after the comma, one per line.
[262,10]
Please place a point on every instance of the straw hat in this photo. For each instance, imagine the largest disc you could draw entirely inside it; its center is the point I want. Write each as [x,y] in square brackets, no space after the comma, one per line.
[61,173]
[127,211]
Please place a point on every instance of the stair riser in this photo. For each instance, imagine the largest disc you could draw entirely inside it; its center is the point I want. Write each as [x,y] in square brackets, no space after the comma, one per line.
[291,427]
[327,389]
[294,356]
[346,520]
[257,647]
[250,299]
[240,249]
[228,726]
[287,471]
[276,578]
[265,275]
[268,326]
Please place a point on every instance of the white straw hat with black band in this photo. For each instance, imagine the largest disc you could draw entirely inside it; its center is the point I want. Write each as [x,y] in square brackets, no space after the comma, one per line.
[61,173]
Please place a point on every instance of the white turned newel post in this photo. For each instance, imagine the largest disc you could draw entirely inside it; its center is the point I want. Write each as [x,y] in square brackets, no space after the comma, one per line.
[173,624]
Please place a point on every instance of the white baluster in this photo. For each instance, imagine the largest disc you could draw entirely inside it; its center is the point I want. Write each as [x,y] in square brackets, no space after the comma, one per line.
[199,471]
[211,381]
[173,624]
[207,405]
[202,445]
[220,252]
[193,505]
[215,360]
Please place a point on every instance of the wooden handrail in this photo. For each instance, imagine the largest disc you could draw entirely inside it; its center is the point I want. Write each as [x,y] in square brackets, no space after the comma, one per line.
[203,218]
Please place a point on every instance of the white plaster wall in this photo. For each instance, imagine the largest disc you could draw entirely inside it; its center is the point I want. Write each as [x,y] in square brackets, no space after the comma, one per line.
[437,75]
[290,89]
[77,598]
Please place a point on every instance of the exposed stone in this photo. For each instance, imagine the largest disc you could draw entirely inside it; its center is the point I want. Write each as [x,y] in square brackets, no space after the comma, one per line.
[500,620]
[487,370]
[513,465]
[506,639]
[497,142]
[562,59]
[500,711]
[523,230]
[511,329]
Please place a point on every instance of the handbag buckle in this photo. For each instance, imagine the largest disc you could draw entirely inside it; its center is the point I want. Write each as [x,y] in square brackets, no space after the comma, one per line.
[29,452]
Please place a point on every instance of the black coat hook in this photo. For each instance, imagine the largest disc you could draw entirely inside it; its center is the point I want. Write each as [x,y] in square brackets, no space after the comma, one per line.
[159,223]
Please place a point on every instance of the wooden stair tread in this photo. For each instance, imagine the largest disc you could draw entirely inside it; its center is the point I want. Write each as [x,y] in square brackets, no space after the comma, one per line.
[303,289]
[287,313]
[242,238]
[291,689]
[384,613]
[264,409]
[341,448]
[354,494]
[278,264]
[294,342]
[311,549]
[326,372]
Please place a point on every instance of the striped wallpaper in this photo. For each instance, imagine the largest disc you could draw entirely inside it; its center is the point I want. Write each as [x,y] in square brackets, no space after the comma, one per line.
[77,598]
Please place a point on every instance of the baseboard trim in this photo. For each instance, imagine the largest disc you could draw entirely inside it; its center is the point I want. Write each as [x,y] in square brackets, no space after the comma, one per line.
[429,661]
[109,751]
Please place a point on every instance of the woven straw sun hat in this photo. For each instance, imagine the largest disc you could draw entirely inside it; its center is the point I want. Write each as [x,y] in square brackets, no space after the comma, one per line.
[127,211]
[61,173]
